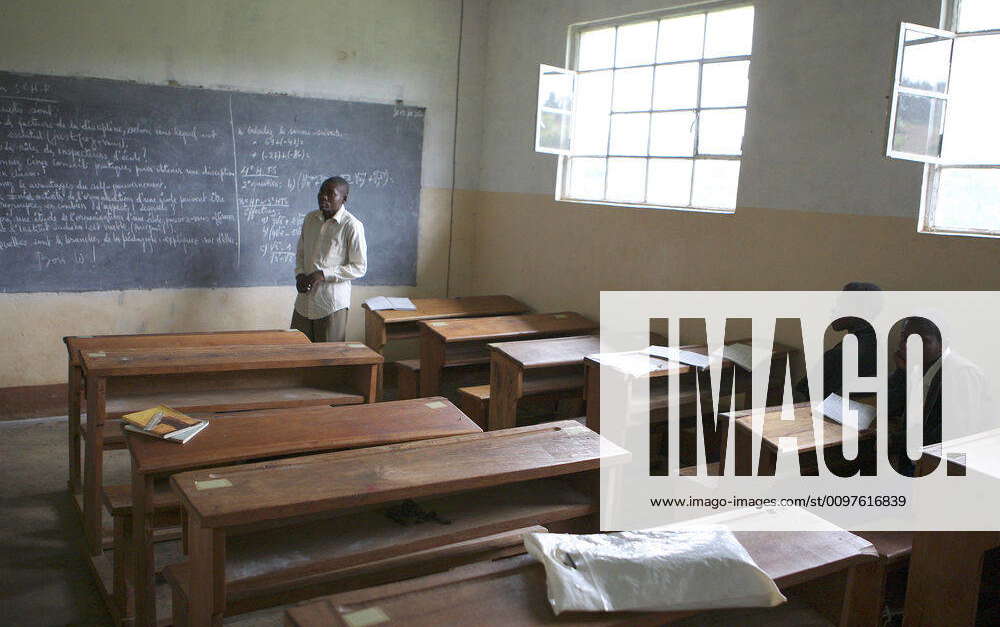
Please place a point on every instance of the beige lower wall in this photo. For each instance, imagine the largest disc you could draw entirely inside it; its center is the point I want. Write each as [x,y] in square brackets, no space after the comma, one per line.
[559,256]
[34,324]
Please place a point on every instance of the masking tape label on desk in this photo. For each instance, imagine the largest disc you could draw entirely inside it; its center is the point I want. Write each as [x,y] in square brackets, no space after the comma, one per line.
[435,404]
[212,484]
[363,618]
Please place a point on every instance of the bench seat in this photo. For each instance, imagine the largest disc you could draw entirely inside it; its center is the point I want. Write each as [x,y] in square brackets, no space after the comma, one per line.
[474,400]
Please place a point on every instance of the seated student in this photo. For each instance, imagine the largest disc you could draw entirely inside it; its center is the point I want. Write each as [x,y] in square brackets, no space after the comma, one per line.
[832,359]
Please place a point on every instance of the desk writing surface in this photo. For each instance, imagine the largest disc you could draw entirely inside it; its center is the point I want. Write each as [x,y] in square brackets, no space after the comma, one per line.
[273,432]
[545,353]
[496,327]
[301,486]
[800,428]
[76,344]
[428,308]
[227,358]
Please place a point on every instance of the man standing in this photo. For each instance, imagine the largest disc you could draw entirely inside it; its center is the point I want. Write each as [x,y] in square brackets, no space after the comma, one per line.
[331,252]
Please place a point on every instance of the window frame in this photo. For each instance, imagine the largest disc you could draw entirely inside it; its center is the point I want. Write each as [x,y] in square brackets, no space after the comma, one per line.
[573,36]
[933,170]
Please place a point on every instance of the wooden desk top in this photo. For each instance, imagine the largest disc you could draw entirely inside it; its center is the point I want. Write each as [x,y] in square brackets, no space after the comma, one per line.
[512,591]
[428,308]
[980,449]
[801,427]
[95,343]
[302,486]
[498,327]
[226,358]
[272,432]
[549,352]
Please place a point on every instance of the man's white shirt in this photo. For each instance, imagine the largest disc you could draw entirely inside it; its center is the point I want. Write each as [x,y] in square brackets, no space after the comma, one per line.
[337,248]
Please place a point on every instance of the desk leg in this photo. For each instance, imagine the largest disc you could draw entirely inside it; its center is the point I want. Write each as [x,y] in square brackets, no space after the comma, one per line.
[73,414]
[945,569]
[431,363]
[506,387]
[375,335]
[863,595]
[367,381]
[143,558]
[592,395]
[94,464]
[207,572]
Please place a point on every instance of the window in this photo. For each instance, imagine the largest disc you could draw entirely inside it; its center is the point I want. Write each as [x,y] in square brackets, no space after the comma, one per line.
[944,115]
[653,112]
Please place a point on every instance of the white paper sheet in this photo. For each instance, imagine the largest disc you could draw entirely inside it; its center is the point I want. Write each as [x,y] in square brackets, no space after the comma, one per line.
[859,416]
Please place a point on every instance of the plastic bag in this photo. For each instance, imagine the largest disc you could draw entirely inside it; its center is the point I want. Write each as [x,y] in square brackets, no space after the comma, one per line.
[659,569]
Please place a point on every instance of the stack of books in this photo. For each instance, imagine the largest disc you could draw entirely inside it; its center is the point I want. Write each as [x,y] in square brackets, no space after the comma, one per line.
[164,423]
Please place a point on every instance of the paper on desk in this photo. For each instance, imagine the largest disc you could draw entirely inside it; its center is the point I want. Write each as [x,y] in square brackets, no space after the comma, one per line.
[859,416]
[378,303]
[631,364]
[674,354]
[739,354]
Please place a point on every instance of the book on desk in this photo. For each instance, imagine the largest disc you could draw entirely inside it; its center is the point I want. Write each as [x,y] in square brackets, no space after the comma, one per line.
[164,423]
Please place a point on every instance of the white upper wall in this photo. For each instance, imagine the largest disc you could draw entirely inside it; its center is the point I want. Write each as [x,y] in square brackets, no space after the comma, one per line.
[820,83]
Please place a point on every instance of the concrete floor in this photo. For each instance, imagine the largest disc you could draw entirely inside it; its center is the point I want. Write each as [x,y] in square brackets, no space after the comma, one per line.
[44,572]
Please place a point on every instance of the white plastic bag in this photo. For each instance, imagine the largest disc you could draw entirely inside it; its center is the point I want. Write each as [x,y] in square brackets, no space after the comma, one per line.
[650,570]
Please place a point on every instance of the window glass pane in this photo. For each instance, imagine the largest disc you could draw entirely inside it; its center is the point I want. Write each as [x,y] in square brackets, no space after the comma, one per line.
[586,179]
[555,88]
[681,38]
[725,84]
[626,180]
[968,199]
[669,182]
[672,134]
[715,183]
[721,132]
[978,15]
[597,49]
[918,125]
[633,89]
[676,86]
[925,62]
[593,106]
[729,33]
[636,44]
[973,129]
[629,133]
[553,130]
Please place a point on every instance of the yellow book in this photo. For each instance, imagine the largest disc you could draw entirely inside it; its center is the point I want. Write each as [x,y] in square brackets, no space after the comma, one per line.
[165,423]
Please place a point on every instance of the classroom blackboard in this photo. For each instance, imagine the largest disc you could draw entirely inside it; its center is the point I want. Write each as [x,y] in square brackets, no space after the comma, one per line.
[109,185]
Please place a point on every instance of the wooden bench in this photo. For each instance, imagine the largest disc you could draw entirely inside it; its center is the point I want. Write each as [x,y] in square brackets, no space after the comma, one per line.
[482,484]
[254,435]
[76,386]
[210,379]
[440,338]
[459,357]
[383,326]
[512,592]
[475,400]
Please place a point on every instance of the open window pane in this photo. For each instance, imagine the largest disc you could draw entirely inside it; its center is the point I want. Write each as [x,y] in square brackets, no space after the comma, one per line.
[669,182]
[633,89]
[676,86]
[725,84]
[586,178]
[978,15]
[681,38]
[926,60]
[672,134]
[715,183]
[626,180]
[554,115]
[721,132]
[597,49]
[636,44]
[973,125]
[968,200]
[629,134]
[729,33]
[918,125]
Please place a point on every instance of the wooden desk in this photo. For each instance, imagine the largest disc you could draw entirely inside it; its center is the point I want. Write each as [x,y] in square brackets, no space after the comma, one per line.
[512,592]
[269,433]
[98,343]
[510,362]
[437,337]
[774,429]
[946,566]
[475,481]
[385,325]
[205,379]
